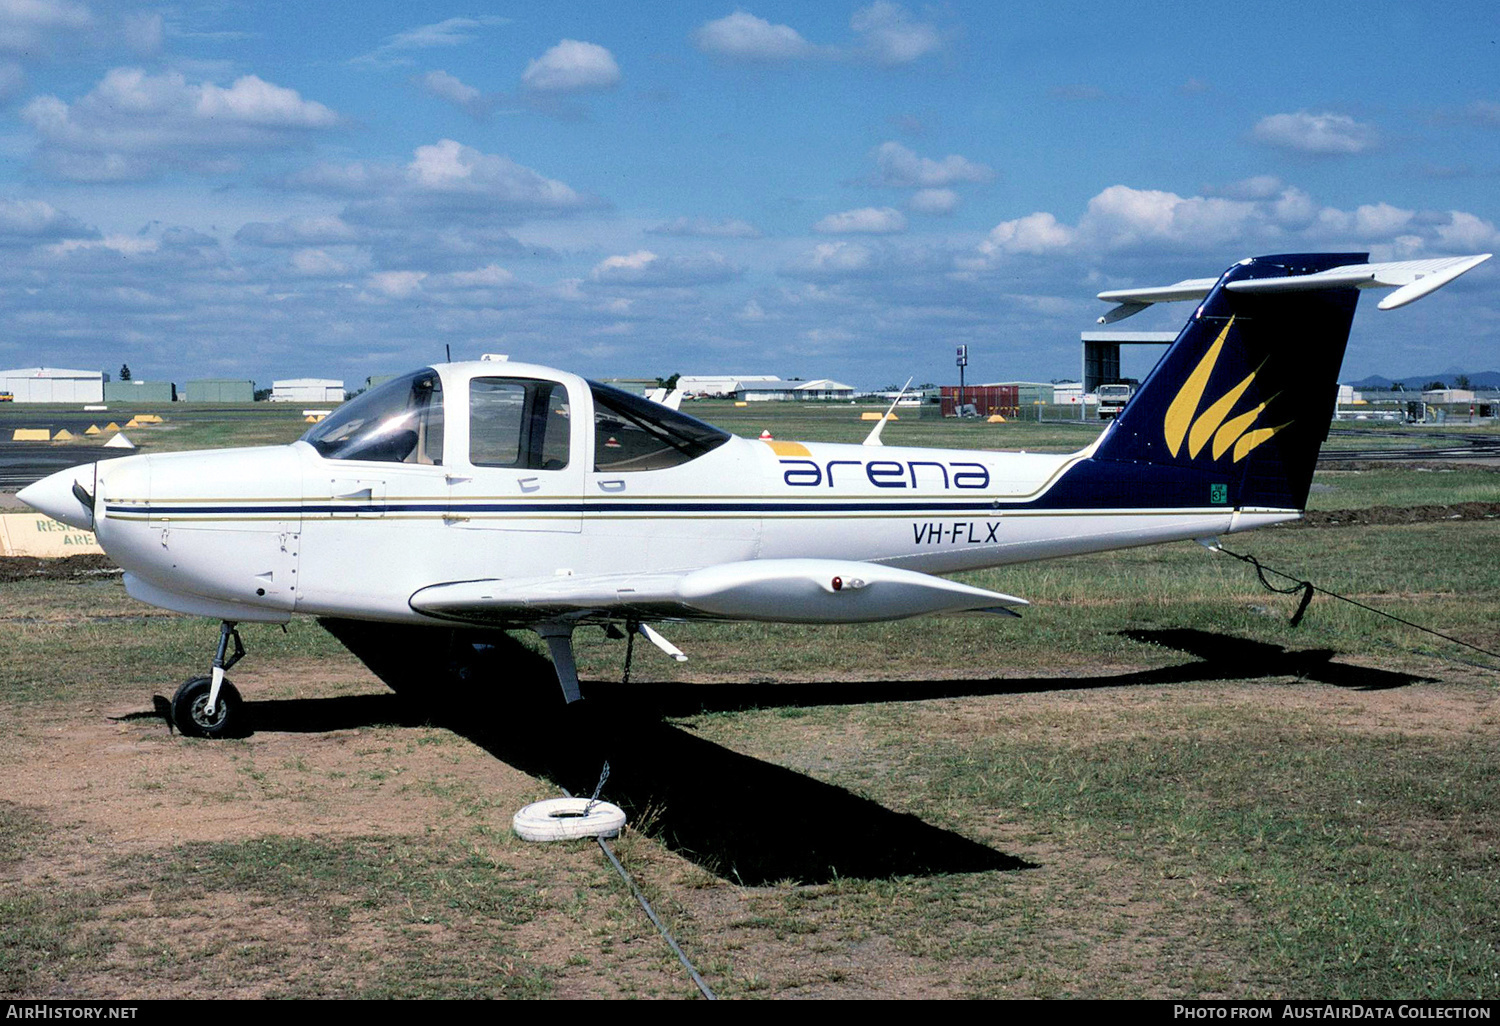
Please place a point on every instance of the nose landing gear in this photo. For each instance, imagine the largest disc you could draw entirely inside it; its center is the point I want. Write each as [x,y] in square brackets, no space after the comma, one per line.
[210,706]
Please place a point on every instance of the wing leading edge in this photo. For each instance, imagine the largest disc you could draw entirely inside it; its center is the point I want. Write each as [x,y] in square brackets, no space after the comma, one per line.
[768,590]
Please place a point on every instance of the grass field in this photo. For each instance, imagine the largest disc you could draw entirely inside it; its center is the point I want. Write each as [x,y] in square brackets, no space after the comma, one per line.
[1150,786]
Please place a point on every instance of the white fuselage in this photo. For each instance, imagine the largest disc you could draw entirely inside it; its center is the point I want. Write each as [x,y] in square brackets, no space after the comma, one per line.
[260,534]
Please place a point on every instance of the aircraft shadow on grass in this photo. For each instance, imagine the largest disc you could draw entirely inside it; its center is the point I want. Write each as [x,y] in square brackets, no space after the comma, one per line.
[741,818]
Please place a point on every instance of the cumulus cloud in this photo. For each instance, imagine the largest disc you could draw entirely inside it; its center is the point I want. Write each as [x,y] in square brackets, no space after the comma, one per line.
[447,166]
[867,220]
[134,124]
[1121,218]
[901,167]
[1318,134]
[742,36]
[452,90]
[31,221]
[836,260]
[572,66]
[884,33]
[644,267]
[1466,233]
[702,227]
[396,284]
[445,180]
[933,201]
[1035,234]
[890,35]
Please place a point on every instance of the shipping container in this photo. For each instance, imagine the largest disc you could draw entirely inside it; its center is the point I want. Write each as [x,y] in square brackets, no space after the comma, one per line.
[987,400]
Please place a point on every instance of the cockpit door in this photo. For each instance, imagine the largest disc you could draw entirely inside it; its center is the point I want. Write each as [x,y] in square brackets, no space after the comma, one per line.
[518,462]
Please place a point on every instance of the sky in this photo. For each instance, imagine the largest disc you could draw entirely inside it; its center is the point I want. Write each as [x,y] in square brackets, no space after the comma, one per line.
[849,190]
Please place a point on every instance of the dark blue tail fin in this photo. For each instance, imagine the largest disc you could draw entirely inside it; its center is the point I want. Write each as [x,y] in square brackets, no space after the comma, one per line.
[1242,400]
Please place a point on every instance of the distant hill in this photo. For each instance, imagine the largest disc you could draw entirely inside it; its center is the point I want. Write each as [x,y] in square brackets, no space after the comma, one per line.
[1482,379]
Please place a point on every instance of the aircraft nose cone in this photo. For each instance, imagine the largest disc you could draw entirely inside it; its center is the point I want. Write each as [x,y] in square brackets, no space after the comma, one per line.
[67,495]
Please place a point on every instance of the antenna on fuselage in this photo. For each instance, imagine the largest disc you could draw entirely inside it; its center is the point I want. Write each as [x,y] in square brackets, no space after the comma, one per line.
[448,352]
[874,437]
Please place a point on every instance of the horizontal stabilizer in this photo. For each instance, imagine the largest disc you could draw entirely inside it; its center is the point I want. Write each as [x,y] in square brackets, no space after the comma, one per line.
[768,590]
[1412,279]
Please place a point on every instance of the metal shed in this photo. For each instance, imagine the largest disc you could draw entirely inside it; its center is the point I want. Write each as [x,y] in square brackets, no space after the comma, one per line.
[220,390]
[134,391]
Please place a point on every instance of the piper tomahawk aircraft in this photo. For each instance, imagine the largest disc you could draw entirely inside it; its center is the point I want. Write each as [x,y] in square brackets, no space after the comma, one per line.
[492,495]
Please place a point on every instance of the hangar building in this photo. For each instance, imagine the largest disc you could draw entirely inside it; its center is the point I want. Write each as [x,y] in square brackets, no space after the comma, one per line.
[307,390]
[53,385]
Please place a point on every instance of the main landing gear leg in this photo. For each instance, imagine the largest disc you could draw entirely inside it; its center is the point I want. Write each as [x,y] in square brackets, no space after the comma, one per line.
[211,706]
[559,639]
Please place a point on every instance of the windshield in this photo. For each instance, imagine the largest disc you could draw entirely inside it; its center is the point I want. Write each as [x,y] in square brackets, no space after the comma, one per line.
[634,433]
[399,421]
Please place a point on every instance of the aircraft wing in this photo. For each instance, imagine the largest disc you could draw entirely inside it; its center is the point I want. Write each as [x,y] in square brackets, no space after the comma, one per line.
[770,590]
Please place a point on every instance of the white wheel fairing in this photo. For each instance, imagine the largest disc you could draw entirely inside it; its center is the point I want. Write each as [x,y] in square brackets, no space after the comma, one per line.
[568,819]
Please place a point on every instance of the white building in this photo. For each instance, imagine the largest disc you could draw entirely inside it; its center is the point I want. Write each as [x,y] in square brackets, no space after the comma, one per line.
[719,384]
[53,385]
[307,390]
[824,388]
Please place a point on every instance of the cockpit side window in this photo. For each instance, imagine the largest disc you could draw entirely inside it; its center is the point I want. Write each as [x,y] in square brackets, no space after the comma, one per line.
[633,433]
[399,421]
[518,422]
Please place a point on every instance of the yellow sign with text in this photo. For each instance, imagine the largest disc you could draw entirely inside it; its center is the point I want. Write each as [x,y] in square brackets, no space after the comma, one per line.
[31,534]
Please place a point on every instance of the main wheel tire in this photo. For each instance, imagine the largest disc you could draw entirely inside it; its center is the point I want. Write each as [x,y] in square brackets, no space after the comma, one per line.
[189,707]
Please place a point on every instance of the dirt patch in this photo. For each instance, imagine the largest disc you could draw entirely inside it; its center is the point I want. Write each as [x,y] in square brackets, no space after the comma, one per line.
[131,780]
[1396,515]
[66,568]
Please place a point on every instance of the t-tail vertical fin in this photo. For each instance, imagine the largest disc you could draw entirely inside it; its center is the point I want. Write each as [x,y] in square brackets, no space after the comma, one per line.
[1241,402]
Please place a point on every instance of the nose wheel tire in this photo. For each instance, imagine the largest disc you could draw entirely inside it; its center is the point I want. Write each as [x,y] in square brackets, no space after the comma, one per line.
[190,710]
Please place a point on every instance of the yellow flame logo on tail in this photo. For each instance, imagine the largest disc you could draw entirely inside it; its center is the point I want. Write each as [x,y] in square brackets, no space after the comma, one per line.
[1180,413]
[1183,421]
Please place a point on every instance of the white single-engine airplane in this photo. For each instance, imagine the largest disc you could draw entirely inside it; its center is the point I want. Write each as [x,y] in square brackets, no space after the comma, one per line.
[498,495]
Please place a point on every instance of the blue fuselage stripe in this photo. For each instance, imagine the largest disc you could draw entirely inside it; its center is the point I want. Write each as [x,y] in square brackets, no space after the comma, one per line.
[570,507]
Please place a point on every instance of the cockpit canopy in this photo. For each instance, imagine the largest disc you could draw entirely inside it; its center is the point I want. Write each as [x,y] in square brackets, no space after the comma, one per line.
[397,421]
[514,422]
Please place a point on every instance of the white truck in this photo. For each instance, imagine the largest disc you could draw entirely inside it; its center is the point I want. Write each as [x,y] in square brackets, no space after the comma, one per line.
[1112,399]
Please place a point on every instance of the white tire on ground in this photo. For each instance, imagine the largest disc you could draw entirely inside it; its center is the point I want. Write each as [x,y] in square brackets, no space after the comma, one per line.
[567,819]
